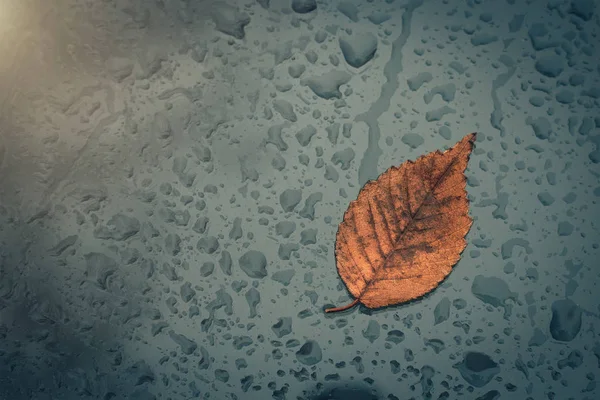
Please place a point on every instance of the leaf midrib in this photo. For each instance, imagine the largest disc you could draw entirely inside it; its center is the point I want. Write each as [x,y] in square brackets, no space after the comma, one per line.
[411,220]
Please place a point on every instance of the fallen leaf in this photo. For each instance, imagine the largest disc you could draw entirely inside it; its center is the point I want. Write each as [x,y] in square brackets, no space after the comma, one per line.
[403,234]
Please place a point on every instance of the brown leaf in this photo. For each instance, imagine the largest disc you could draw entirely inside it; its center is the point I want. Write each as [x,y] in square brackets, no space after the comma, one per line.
[403,234]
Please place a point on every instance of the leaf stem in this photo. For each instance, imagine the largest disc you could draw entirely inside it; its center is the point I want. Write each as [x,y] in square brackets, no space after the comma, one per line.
[342,308]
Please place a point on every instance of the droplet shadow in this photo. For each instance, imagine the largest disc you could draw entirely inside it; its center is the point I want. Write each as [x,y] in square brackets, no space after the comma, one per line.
[345,391]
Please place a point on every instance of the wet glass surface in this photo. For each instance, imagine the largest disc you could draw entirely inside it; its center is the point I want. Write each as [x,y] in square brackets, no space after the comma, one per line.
[173,173]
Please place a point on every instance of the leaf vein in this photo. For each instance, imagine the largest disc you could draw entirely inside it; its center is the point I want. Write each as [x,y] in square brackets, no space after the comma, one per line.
[374,226]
